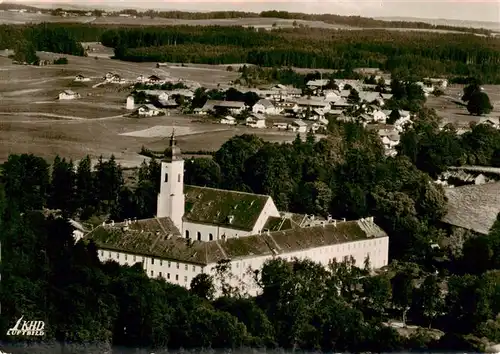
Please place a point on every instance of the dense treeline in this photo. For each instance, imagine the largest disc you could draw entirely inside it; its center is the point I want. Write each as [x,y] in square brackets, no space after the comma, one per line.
[365,22]
[422,54]
[55,38]
[401,53]
[302,305]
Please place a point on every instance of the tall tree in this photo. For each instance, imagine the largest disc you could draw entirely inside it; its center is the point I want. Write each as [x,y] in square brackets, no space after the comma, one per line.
[63,187]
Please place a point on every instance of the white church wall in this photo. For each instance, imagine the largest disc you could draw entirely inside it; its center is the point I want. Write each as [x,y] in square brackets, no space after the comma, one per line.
[181,273]
[376,248]
[268,210]
[174,272]
[206,232]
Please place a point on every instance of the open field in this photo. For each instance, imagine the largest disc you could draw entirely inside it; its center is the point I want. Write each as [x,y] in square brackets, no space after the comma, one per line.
[457,114]
[32,120]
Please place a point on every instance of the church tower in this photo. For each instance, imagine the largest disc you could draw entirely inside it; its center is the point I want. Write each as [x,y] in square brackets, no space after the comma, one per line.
[171,198]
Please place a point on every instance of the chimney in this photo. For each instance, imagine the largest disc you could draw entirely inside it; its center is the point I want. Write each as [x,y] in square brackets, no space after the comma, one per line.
[112,223]
[335,223]
[343,219]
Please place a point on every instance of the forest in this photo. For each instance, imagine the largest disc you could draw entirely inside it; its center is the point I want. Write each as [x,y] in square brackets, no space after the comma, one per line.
[421,54]
[46,276]
[401,53]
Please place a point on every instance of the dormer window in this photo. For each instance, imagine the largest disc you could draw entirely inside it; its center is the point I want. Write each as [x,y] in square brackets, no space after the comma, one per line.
[230,219]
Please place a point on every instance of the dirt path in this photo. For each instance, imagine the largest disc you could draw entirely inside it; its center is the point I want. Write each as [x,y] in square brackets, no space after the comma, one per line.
[50,115]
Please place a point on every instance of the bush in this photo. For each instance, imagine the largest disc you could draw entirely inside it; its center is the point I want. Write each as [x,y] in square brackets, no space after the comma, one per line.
[61,61]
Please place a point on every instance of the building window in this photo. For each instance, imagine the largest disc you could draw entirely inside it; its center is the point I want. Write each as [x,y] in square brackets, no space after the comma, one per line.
[210,237]
[179,177]
[125,257]
[185,279]
[152,273]
[177,277]
[185,267]
[187,233]
[168,275]
[169,264]
[199,236]
[177,265]
[194,268]
[166,177]
[161,262]
[159,274]
[117,256]
[152,261]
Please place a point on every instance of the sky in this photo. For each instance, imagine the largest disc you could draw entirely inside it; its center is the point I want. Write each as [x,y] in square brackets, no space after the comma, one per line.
[471,10]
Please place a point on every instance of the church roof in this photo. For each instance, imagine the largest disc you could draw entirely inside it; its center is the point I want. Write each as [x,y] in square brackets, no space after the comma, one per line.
[152,242]
[232,209]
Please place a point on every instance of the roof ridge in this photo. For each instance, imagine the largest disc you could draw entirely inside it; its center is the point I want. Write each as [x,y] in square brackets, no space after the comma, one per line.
[221,249]
[161,226]
[274,241]
[228,190]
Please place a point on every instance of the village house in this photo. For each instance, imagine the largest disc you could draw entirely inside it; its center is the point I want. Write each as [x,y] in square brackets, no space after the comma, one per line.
[234,107]
[197,227]
[81,78]
[68,95]
[371,97]
[280,126]
[340,104]
[266,107]
[256,120]
[114,78]
[158,94]
[148,110]
[379,116]
[298,126]
[228,120]
[390,139]
[304,103]
[331,95]
[155,80]
[493,122]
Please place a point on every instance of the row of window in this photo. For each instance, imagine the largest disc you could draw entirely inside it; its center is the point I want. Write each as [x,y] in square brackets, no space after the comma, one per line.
[141,259]
[198,236]
[160,274]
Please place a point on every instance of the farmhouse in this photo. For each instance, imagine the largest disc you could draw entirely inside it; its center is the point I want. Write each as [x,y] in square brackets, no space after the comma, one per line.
[153,79]
[280,126]
[148,110]
[81,78]
[68,95]
[234,107]
[256,121]
[266,107]
[298,126]
[196,227]
[228,120]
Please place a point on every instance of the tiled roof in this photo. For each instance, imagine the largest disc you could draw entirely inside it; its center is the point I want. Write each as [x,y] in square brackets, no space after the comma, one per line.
[473,207]
[152,241]
[215,206]
[265,103]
